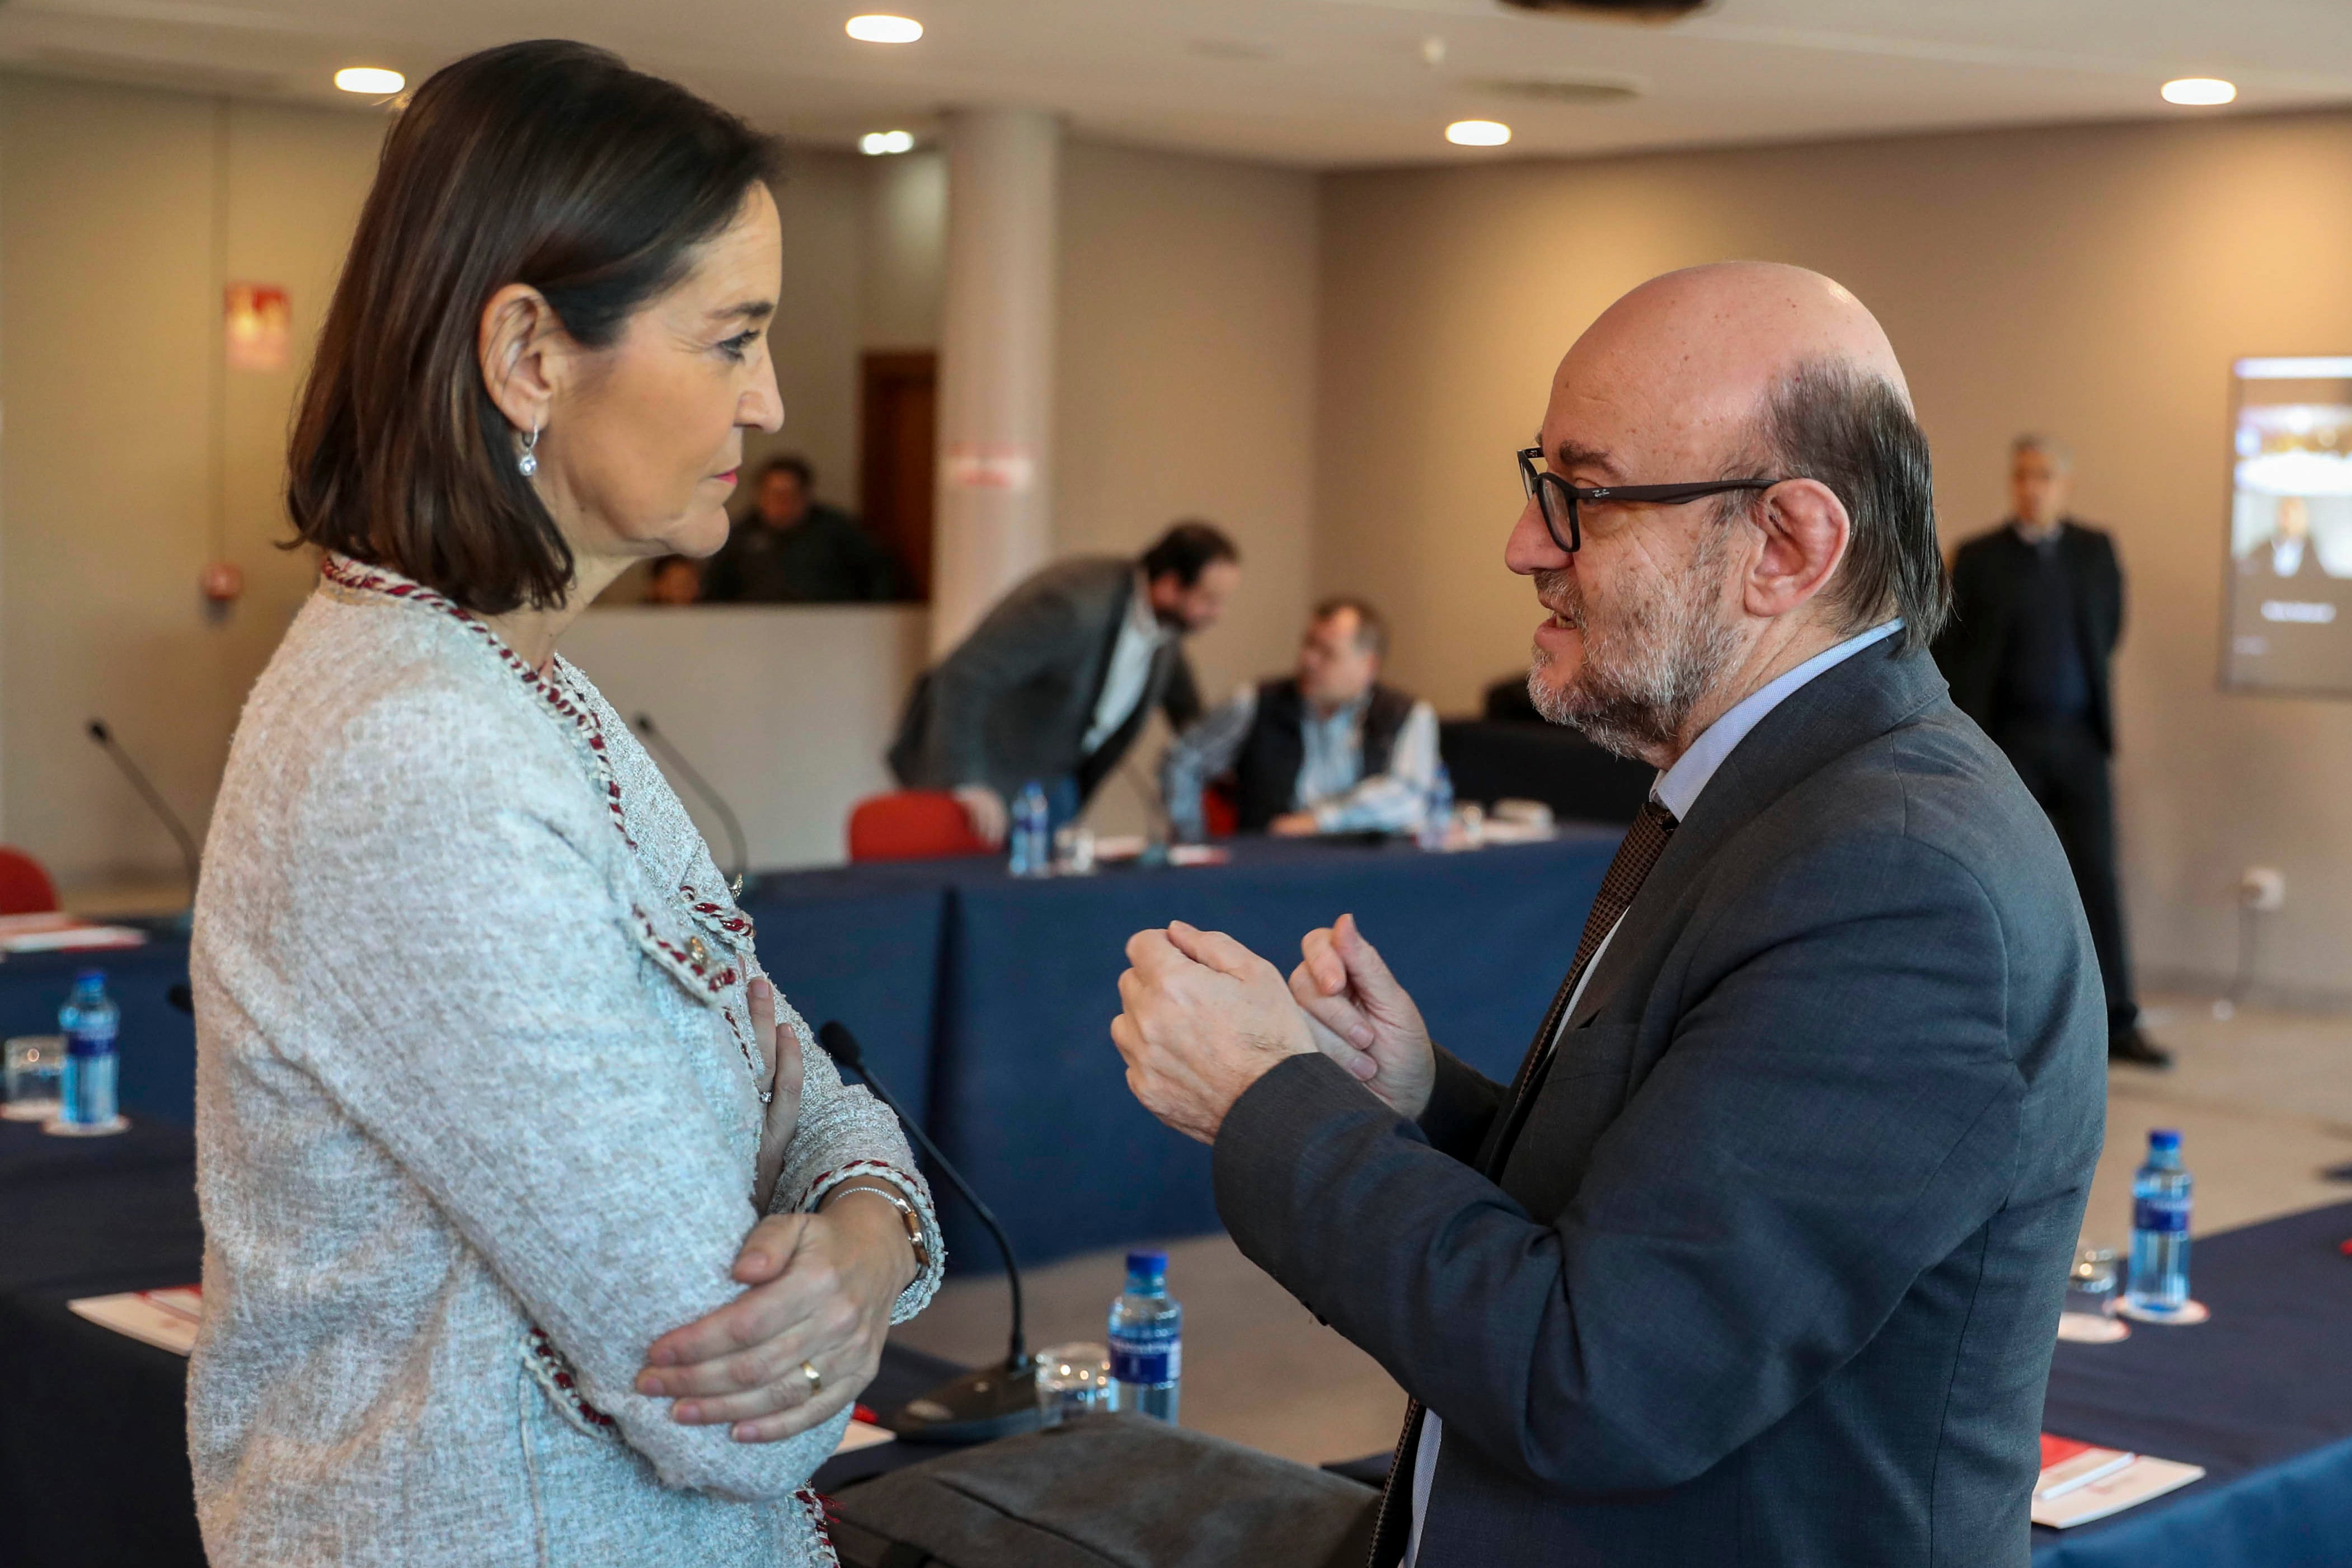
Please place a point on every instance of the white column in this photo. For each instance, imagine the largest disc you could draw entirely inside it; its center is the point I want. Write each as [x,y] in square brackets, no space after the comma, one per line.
[995,520]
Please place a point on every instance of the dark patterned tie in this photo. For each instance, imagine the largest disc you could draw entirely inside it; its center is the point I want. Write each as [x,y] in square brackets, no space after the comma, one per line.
[1643,843]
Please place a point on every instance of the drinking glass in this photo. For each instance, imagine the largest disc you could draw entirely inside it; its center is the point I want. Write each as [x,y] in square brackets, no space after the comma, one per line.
[2089,1316]
[1072,1380]
[35,1067]
[1073,851]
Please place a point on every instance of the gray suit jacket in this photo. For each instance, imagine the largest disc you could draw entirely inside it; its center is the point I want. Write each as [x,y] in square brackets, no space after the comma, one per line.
[1014,699]
[1771,1273]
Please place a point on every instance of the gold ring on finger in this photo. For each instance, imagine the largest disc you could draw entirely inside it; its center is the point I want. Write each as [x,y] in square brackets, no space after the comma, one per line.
[816,1378]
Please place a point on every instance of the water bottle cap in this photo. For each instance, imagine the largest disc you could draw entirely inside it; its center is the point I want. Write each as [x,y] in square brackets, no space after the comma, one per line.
[90,977]
[2164,1138]
[1150,1265]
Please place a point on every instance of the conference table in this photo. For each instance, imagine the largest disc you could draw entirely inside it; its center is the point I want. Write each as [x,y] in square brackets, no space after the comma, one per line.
[984,1000]
[93,1466]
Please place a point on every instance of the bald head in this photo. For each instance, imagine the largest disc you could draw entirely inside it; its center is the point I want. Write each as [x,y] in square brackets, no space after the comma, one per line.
[1670,383]
[1775,386]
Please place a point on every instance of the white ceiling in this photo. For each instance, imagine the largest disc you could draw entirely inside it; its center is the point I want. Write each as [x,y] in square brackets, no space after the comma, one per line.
[1320,83]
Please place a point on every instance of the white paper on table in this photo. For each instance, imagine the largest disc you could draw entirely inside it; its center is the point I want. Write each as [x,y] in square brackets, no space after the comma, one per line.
[2135,1483]
[164,1319]
[73,938]
[45,920]
[862,1435]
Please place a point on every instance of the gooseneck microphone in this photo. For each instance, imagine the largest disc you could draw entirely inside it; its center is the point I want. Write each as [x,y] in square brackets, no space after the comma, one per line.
[738,848]
[995,1401]
[99,733]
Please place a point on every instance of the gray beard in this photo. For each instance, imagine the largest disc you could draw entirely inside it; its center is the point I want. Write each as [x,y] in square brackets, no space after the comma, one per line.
[1646,663]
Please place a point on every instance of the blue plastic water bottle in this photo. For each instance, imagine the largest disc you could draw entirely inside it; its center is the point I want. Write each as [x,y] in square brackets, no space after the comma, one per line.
[1437,815]
[89,1021]
[1147,1340]
[2160,1248]
[1033,832]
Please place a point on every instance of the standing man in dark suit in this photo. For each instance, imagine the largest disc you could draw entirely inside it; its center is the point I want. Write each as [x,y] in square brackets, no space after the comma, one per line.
[1056,683]
[2037,610]
[1758,1260]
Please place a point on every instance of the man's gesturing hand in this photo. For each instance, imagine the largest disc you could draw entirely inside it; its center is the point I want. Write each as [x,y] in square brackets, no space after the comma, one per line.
[1205,1019]
[1363,1017]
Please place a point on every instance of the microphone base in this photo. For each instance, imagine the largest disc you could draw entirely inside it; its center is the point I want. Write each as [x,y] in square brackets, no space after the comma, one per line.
[995,1402]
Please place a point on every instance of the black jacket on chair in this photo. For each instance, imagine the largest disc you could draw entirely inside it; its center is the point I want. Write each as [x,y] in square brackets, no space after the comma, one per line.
[1987,575]
[1770,1274]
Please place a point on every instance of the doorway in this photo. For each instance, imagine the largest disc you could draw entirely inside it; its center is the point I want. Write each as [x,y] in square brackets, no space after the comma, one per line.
[898,436]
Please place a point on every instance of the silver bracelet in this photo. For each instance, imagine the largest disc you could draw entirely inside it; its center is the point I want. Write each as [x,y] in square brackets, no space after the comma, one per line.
[907,1212]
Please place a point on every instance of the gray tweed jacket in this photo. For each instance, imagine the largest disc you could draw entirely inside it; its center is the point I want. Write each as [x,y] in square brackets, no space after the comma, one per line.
[477,1113]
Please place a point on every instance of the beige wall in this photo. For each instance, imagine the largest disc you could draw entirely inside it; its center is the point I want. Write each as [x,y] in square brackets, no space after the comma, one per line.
[109,333]
[1186,376]
[1186,366]
[2095,283]
[1185,387]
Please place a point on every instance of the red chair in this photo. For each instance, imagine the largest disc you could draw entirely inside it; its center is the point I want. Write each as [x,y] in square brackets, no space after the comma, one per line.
[1221,811]
[25,887]
[911,824]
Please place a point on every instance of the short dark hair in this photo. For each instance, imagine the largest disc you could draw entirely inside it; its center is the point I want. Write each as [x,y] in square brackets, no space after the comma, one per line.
[547,163]
[791,463]
[1855,432]
[1372,626]
[1188,548]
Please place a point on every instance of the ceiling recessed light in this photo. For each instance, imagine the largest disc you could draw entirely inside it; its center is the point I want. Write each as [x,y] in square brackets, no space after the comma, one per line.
[879,29]
[370,79]
[1478,133]
[2200,89]
[882,143]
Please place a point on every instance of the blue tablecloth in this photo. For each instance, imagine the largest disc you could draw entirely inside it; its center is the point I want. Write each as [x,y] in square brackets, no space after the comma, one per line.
[2260,1396]
[1030,1098]
[986,1001]
[842,944]
[158,1042]
[93,1430]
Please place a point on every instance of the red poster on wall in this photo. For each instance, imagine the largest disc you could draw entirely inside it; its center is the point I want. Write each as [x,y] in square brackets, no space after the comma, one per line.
[259,324]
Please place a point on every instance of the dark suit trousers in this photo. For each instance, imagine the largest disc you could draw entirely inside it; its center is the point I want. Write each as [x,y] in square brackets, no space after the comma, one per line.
[2065,769]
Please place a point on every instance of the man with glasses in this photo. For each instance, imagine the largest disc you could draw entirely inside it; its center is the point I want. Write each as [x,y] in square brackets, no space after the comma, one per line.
[1758,1259]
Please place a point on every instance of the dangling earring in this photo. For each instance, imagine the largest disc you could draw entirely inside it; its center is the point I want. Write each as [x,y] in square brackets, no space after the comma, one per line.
[528,461]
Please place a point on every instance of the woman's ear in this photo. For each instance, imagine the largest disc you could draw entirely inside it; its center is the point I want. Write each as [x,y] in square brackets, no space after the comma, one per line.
[520,345]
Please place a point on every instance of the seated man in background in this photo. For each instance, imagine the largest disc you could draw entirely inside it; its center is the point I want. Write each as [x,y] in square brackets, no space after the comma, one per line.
[795,550]
[1056,683]
[1328,750]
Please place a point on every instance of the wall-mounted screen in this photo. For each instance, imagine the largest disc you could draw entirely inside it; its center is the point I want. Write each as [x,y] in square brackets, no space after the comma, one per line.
[2291,528]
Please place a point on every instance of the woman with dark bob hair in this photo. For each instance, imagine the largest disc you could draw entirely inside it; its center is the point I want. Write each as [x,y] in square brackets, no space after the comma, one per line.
[537,1228]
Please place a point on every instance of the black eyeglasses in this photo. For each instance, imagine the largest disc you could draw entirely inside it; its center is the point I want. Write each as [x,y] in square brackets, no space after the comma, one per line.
[1558,498]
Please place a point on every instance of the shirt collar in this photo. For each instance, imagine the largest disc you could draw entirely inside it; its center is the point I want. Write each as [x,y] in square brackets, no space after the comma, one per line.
[1678,787]
[1142,618]
[1346,712]
[2039,541]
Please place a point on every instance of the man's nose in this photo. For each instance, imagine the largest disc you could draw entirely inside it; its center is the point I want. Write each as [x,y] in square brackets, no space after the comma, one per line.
[1530,548]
